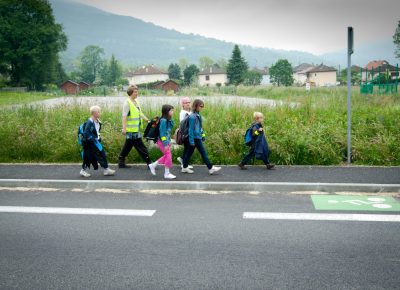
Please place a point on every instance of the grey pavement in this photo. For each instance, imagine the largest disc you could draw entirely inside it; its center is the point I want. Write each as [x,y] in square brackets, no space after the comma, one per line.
[192,242]
[322,174]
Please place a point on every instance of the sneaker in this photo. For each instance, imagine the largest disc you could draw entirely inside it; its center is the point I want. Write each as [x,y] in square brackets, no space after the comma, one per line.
[214,169]
[109,172]
[187,170]
[242,166]
[189,166]
[83,173]
[270,166]
[152,168]
[169,176]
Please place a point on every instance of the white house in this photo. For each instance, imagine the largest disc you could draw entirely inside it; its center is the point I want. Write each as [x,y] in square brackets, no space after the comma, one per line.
[300,73]
[212,76]
[322,76]
[146,74]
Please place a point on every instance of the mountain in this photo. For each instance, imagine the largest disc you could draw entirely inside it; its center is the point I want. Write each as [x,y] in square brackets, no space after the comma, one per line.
[136,42]
[364,53]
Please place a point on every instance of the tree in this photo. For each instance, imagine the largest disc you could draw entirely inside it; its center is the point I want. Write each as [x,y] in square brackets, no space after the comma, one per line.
[222,63]
[237,67]
[111,71]
[30,41]
[174,71]
[252,78]
[281,73]
[205,62]
[396,40]
[183,63]
[91,63]
[190,73]
[355,77]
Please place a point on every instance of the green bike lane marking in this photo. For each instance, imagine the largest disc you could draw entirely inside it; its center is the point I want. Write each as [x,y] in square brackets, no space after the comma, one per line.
[355,203]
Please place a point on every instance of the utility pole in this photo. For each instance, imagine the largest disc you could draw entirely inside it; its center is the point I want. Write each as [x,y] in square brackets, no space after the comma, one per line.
[350,42]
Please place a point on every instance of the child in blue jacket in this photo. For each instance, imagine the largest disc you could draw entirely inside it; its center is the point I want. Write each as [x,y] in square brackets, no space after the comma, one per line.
[196,139]
[259,146]
[164,142]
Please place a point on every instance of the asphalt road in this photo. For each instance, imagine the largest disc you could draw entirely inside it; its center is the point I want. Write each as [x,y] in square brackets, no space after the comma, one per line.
[193,241]
[328,174]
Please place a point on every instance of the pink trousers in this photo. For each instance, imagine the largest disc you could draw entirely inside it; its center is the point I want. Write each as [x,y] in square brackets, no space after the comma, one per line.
[166,159]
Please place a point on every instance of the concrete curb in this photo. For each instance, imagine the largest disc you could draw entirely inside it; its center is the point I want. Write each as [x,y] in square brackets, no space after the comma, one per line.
[200,185]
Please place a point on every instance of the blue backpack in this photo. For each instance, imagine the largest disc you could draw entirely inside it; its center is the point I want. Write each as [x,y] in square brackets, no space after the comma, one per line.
[248,137]
[81,135]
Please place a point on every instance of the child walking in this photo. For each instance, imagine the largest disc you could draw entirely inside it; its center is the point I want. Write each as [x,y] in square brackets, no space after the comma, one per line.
[196,139]
[93,151]
[259,146]
[185,111]
[164,142]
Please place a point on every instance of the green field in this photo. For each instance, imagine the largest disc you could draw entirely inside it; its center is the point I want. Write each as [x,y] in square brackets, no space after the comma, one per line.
[312,133]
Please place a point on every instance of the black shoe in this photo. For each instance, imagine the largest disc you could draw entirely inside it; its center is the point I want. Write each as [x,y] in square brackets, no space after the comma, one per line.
[242,166]
[270,166]
[123,165]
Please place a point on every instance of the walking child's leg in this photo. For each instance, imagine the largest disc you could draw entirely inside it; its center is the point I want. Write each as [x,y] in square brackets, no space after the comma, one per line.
[248,156]
[200,146]
[188,154]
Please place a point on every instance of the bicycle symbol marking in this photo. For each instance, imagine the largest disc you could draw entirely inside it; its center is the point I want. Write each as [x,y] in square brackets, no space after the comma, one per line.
[377,202]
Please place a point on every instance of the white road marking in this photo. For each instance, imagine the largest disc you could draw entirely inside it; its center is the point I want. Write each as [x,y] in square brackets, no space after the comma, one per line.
[321,216]
[79,211]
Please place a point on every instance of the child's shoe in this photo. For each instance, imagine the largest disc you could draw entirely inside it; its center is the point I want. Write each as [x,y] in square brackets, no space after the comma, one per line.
[83,173]
[187,170]
[152,168]
[214,169]
[270,166]
[169,176]
[180,160]
[242,166]
[109,172]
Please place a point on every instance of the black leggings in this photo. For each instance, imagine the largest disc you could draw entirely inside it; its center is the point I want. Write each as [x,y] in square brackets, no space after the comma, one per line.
[139,146]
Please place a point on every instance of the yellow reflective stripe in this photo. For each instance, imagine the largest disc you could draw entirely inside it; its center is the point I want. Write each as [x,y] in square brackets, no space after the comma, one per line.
[256,133]
[163,138]
[203,135]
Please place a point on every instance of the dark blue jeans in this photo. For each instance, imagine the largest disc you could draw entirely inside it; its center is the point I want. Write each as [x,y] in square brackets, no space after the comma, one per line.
[188,152]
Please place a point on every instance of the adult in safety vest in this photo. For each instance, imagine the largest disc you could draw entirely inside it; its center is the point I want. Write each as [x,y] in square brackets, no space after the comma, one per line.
[132,124]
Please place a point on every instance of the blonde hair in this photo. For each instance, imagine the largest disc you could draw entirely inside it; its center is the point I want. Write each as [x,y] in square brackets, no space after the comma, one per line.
[257,115]
[94,109]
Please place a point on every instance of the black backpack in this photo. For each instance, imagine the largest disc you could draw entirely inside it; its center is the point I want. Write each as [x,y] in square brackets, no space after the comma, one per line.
[152,131]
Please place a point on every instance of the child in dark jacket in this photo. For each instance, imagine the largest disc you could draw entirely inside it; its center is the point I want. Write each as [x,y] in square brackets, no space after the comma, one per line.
[93,151]
[164,142]
[259,146]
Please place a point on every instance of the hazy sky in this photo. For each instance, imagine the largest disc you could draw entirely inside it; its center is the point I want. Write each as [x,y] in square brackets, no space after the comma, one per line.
[316,26]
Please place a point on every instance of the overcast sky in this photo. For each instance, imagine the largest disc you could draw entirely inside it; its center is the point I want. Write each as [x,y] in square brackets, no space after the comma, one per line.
[316,26]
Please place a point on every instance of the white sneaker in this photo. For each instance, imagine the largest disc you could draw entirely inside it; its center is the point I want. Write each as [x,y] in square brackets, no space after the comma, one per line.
[214,169]
[109,172]
[187,170]
[83,173]
[190,167]
[169,176]
[152,168]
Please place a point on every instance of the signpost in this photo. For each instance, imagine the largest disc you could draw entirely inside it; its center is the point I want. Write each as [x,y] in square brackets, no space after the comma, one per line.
[350,43]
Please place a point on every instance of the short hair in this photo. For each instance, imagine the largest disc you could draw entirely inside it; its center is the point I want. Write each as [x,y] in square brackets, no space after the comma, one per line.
[197,103]
[94,109]
[131,89]
[257,114]
[184,100]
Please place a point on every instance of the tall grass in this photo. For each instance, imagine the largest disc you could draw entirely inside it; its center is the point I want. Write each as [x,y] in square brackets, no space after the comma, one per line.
[314,132]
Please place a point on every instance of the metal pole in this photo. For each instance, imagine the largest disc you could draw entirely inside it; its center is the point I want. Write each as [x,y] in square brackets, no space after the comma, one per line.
[349,52]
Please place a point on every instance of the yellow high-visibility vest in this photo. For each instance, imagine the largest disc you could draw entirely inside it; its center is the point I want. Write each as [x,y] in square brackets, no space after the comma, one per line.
[133,124]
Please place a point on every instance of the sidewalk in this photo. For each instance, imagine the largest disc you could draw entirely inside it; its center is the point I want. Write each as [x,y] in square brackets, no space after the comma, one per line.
[256,178]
